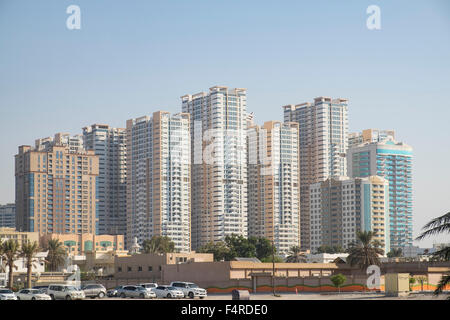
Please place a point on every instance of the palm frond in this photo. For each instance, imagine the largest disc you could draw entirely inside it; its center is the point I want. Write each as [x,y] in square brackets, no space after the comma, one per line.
[437,225]
[445,280]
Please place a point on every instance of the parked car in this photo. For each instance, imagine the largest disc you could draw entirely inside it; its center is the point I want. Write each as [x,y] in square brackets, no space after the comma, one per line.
[135,292]
[113,292]
[168,292]
[190,289]
[64,291]
[94,291]
[148,286]
[6,294]
[32,294]
[42,289]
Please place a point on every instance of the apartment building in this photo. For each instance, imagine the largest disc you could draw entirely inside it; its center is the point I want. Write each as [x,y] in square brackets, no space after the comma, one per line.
[8,215]
[159,178]
[219,158]
[393,161]
[109,145]
[323,143]
[56,187]
[341,206]
[369,135]
[273,184]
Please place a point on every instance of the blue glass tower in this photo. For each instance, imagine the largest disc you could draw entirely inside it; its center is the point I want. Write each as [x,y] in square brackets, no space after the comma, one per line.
[392,160]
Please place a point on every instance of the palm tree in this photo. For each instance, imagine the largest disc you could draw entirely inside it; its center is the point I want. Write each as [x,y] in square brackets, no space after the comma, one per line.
[149,246]
[1,257]
[56,254]
[439,225]
[364,253]
[28,251]
[296,255]
[395,252]
[10,249]
[158,244]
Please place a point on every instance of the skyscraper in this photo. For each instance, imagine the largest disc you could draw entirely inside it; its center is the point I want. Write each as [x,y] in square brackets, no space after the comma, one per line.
[341,206]
[109,144]
[158,178]
[393,161]
[219,157]
[273,184]
[56,187]
[323,140]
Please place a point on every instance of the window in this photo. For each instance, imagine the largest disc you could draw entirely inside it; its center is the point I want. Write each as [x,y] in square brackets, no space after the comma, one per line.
[119,269]
[129,269]
[139,268]
[150,268]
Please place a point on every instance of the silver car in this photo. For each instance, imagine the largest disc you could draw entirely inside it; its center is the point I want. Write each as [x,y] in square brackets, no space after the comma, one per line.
[64,291]
[32,294]
[135,292]
[94,291]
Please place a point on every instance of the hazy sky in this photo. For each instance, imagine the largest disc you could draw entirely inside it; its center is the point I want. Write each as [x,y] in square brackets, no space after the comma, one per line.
[131,58]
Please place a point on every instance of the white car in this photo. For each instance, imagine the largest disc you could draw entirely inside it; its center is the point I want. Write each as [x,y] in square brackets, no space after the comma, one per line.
[65,291]
[32,294]
[168,292]
[6,294]
[149,286]
[190,289]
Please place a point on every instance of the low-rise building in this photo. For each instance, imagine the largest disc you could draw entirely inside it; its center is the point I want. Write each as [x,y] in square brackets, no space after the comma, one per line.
[324,257]
[11,233]
[79,244]
[150,266]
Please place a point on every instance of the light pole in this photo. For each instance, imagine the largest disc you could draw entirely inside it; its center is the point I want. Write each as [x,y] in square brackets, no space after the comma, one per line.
[273,268]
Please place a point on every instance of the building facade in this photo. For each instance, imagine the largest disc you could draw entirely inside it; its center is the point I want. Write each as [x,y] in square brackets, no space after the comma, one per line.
[393,161]
[273,184]
[219,158]
[369,135]
[8,215]
[341,206]
[80,244]
[323,143]
[159,178]
[109,145]
[20,236]
[56,187]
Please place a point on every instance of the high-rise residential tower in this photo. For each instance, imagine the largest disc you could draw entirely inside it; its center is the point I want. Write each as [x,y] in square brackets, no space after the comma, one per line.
[341,206]
[158,178]
[219,158]
[323,143]
[393,161]
[8,215]
[56,187]
[109,144]
[273,184]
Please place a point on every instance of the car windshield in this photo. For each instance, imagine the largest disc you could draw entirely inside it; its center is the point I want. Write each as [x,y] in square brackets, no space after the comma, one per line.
[34,291]
[5,291]
[141,288]
[172,288]
[192,285]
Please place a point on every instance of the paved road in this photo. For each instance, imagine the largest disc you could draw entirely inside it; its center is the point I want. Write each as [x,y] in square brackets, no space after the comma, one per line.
[315,296]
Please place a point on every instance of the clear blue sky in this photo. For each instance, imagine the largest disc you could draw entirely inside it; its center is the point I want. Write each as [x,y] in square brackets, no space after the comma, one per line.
[131,58]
